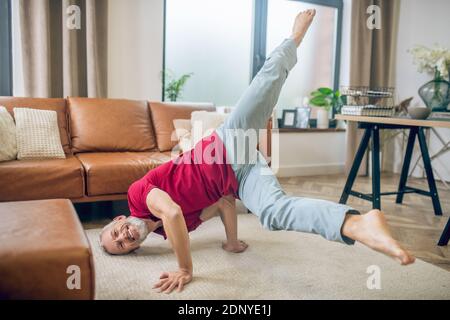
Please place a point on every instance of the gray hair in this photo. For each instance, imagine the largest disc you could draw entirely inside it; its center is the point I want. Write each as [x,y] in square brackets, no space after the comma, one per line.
[101,234]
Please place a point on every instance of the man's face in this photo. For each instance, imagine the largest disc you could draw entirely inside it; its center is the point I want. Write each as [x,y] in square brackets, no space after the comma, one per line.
[123,235]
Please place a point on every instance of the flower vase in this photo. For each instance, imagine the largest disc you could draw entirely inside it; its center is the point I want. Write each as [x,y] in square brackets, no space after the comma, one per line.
[436,94]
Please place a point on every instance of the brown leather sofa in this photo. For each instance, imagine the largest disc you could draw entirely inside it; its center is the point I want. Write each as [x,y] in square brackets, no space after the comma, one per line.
[109,143]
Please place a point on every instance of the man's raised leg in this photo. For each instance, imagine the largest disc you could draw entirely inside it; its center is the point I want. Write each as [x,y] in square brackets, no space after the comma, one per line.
[240,130]
[263,195]
[255,106]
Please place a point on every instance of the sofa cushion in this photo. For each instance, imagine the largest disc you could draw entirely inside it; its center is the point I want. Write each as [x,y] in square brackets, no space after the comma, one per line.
[163,114]
[37,134]
[58,105]
[113,172]
[8,144]
[110,125]
[205,123]
[41,179]
[183,132]
[44,252]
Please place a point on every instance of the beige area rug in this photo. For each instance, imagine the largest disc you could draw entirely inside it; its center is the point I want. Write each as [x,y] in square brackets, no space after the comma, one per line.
[277,265]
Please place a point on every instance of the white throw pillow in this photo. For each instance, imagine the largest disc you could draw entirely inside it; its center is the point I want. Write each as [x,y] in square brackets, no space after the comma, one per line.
[8,145]
[183,133]
[201,124]
[204,123]
[37,134]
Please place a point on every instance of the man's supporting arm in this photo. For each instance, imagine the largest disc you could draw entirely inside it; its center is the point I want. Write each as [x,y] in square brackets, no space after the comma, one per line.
[163,207]
[227,207]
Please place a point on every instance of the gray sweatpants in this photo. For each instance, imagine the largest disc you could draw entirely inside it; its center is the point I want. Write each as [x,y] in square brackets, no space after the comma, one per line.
[259,189]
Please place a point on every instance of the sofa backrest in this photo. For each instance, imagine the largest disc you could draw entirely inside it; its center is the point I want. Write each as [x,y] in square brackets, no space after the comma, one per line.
[55,104]
[110,125]
[91,124]
[163,114]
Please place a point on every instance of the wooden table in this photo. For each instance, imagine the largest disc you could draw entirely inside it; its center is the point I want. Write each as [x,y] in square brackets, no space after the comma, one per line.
[372,125]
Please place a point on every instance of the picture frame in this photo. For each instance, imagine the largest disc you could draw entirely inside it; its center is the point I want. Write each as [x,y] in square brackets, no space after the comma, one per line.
[289,119]
[303,115]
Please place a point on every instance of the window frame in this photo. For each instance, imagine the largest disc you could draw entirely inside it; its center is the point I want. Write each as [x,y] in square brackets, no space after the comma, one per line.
[6,81]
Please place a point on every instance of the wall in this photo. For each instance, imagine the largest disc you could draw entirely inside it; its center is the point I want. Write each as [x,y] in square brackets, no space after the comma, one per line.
[426,23]
[308,153]
[135,49]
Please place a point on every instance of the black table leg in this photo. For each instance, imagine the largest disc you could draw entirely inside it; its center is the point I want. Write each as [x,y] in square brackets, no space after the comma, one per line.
[429,172]
[443,241]
[406,164]
[376,203]
[356,164]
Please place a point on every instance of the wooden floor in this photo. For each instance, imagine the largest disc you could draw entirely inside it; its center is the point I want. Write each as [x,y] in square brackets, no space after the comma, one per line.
[413,223]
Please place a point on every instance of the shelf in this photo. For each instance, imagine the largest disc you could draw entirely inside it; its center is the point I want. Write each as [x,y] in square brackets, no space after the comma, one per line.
[396,121]
[298,130]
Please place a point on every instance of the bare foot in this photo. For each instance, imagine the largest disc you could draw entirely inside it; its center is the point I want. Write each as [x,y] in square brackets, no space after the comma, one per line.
[234,246]
[301,25]
[372,230]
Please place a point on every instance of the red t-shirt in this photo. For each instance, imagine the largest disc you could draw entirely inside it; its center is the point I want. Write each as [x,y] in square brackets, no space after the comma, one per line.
[195,180]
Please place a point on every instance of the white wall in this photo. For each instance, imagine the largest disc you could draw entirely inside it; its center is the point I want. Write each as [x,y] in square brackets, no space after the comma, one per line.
[425,23]
[135,49]
[308,153]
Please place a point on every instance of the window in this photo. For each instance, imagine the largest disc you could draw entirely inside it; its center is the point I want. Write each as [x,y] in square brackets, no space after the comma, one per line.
[211,39]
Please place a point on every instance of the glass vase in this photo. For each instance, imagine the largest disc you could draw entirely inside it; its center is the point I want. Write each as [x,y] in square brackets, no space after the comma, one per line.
[436,95]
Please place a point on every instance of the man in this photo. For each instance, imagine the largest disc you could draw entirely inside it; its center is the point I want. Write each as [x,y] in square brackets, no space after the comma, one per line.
[176,197]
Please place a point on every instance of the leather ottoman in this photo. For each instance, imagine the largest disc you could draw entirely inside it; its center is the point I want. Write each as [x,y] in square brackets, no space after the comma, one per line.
[44,252]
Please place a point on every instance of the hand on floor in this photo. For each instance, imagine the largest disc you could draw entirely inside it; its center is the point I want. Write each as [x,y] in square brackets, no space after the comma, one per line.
[234,246]
[171,280]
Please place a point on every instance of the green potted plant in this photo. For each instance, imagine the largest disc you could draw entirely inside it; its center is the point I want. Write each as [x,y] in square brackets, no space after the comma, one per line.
[326,99]
[174,86]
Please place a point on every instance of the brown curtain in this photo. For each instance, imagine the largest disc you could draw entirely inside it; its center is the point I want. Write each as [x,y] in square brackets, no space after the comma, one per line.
[372,57]
[58,61]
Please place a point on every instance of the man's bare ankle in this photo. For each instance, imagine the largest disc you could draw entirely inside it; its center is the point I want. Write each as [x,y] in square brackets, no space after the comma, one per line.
[349,227]
[297,39]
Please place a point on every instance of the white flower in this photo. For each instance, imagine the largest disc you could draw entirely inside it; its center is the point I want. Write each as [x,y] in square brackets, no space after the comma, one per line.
[429,60]
[442,67]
